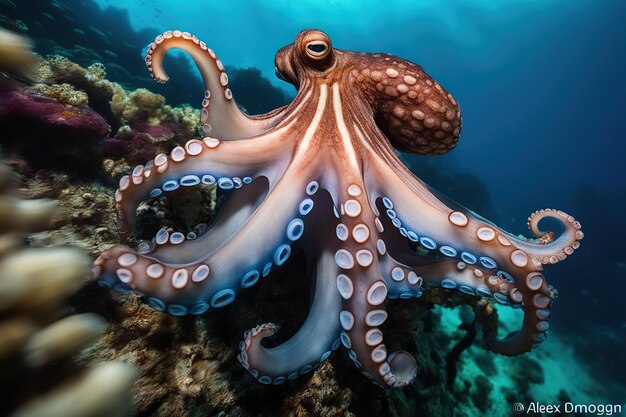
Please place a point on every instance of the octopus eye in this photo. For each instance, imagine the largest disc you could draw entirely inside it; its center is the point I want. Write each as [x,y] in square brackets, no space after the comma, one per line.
[316,49]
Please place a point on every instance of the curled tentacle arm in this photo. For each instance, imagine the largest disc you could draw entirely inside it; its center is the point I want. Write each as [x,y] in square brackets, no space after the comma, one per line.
[477,254]
[220,115]
[209,161]
[198,272]
[439,228]
[311,345]
[548,249]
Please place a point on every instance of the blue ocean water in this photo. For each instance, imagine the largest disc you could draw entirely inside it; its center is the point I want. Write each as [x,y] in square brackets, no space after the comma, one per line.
[542,81]
[542,86]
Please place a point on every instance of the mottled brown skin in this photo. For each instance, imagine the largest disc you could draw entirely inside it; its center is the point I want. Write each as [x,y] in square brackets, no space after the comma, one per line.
[326,164]
[412,110]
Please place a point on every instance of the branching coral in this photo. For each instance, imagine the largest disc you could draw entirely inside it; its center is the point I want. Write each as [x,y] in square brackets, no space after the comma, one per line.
[140,104]
[64,93]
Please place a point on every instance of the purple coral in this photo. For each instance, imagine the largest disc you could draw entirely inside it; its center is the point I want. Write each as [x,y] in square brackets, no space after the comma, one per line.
[50,134]
[32,110]
[135,147]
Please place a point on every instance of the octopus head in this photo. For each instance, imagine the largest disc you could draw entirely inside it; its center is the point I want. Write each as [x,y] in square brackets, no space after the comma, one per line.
[412,110]
[309,55]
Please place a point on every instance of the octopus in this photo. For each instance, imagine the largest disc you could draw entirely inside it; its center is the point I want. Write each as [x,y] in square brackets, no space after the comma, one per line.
[323,174]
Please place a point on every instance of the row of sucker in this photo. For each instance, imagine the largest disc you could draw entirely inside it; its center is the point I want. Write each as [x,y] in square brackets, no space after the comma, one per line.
[196,274]
[295,229]
[428,243]
[160,165]
[359,284]
[223,77]
[480,275]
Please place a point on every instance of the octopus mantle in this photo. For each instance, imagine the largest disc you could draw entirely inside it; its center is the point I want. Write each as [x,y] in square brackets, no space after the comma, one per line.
[322,173]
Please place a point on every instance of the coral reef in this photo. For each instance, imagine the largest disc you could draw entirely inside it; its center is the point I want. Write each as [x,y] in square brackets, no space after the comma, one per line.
[54,114]
[86,116]
[88,35]
[186,365]
[67,134]
[94,39]
[39,338]
[65,94]
[147,113]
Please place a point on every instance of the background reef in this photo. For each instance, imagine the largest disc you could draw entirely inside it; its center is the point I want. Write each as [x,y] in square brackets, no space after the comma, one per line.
[87,111]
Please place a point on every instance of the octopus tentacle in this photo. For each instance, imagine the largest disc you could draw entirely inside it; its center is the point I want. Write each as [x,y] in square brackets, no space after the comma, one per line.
[548,249]
[215,276]
[468,279]
[220,115]
[462,234]
[363,313]
[231,217]
[312,344]
[364,292]
[227,164]
[402,280]
[479,246]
